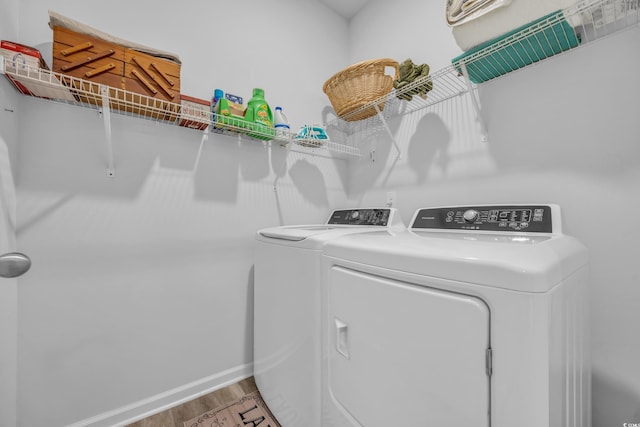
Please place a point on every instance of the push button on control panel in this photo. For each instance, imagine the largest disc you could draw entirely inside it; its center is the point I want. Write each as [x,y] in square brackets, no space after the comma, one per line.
[471,215]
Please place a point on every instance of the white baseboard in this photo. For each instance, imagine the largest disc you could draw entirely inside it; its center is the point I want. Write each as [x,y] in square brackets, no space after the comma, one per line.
[163,401]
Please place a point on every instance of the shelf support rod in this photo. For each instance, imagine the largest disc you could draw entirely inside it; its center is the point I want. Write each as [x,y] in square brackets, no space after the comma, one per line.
[284,163]
[386,127]
[205,137]
[484,135]
[105,111]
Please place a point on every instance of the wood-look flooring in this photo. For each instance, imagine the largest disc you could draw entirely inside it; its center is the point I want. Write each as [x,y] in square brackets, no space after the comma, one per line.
[175,417]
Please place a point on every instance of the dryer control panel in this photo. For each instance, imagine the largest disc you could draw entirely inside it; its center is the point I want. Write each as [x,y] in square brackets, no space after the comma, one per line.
[361,217]
[499,218]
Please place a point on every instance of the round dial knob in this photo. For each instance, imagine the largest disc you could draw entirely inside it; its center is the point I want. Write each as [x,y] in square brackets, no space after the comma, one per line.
[355,215]
[470,215]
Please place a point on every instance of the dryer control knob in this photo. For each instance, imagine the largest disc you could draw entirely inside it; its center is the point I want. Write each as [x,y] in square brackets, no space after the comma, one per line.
[470,215]
[355,215]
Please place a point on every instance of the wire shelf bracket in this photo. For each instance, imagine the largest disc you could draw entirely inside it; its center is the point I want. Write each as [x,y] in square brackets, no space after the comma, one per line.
[105,112]
[282,168]
[386,128]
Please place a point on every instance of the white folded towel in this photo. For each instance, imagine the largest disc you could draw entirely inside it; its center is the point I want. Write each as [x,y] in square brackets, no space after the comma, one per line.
[461,11]
[504,19]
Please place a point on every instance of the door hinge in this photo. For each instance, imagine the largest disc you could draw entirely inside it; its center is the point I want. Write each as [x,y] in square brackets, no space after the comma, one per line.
[489,361]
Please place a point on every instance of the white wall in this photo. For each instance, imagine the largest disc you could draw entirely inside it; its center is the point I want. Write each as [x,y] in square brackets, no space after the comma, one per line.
[9,104]
[565,131]
[405,29]
[8,287]
[142,284]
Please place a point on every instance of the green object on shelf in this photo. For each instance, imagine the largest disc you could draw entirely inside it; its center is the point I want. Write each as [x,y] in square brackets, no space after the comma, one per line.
[523,46]
[259,117]
[256,129]
[408,74]
[224,118]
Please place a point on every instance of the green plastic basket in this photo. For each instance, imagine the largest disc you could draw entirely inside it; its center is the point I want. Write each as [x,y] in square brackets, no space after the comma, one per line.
[530,43]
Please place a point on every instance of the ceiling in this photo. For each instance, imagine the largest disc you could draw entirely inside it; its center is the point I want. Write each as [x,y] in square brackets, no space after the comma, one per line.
[345,8]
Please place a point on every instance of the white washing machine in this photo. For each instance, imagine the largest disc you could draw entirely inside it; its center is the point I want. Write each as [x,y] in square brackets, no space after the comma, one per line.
[475,316]
[287,331]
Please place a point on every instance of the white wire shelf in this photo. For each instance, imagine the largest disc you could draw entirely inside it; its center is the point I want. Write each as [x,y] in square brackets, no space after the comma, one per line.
[62,88]
[564,30]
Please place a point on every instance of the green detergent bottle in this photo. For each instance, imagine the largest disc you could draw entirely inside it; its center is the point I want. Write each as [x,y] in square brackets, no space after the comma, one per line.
[259,117]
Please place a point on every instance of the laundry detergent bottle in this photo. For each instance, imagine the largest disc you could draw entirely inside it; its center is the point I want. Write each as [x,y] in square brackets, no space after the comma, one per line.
[259,116]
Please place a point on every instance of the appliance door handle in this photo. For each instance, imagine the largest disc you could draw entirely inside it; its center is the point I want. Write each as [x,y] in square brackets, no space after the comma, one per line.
[283,236]
[342,338]
[14,264]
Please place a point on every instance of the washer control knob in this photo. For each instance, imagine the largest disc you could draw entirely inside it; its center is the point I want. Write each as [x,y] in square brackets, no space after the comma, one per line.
[355,215]
[470,215]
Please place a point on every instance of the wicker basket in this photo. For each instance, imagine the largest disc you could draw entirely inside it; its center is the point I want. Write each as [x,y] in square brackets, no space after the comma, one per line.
[359,85]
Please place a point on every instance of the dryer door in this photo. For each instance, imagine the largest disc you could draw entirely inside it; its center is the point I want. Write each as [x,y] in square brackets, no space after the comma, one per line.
[405,355]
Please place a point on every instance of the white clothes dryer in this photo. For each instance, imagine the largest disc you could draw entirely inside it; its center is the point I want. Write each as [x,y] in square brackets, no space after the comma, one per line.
[287,331]
[475,316]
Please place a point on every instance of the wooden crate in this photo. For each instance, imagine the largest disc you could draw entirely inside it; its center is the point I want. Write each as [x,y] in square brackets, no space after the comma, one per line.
[128,72]
[152,76]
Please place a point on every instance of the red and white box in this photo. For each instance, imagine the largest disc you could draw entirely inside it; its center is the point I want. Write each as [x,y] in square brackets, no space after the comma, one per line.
[22,60]
[195,113]
[20,57]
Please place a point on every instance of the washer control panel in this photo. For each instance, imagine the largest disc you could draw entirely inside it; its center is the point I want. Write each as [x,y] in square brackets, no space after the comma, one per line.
[509,218]
[361,217]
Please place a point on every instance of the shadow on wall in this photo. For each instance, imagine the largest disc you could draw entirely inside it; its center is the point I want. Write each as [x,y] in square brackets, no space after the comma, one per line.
[542,119]
[309,181]
[249,315]
[613,405]
[426,147]
[377,150]
[216,174]
[71,155]
[279,164]
[254,161]
[331,124]
[429,146]
[43,212]
[223,162]
[9,117]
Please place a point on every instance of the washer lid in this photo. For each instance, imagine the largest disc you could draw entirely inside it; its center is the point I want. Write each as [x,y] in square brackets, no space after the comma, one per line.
[340,222]
[517,262]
